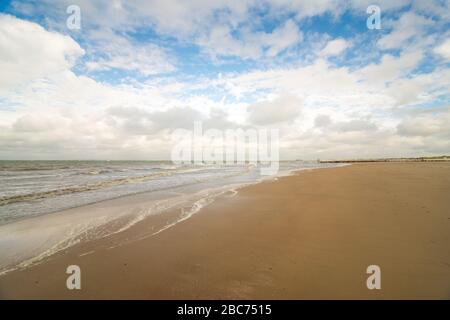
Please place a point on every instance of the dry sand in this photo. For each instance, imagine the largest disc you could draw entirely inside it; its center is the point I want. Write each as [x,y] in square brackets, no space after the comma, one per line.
[306,236]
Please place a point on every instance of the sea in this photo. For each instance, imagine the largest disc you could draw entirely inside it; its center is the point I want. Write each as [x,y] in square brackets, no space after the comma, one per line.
[36,198]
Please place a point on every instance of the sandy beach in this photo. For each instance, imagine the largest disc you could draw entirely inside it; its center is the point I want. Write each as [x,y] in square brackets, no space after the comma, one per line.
[307,236]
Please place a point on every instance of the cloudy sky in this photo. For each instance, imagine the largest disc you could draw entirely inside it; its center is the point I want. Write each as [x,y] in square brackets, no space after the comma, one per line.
[137,70]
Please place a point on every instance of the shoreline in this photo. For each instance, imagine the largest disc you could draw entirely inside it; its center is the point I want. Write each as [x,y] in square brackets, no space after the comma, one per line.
[290,238]
[148,202]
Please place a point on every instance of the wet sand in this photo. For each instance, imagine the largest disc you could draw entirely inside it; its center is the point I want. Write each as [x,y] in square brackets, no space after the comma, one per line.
[307,236]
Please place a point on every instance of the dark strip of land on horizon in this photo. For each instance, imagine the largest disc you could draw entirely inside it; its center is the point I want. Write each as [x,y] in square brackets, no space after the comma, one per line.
[418,159]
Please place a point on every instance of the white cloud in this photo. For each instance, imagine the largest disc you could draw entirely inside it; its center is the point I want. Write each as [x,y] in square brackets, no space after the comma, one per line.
[304,8]
[391,67]
[443,49]
[410,25]
[284,108]
[335,47]
[117,52]
[28,52]
[281,38]
[426,125]
[322,121]
[221,42]
[385,5]
[321,83]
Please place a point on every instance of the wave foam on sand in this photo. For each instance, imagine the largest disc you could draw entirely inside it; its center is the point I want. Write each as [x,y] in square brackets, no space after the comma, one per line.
[28,242]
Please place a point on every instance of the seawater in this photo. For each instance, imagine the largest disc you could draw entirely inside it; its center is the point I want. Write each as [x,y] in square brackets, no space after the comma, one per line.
[35,196]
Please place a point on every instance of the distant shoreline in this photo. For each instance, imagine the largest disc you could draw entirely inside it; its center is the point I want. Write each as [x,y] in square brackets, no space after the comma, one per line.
[418,159]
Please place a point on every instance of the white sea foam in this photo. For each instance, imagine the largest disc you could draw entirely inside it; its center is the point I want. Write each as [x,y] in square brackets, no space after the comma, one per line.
[30,241]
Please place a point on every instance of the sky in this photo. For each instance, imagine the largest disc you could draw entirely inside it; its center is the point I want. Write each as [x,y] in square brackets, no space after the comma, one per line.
[134,71]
